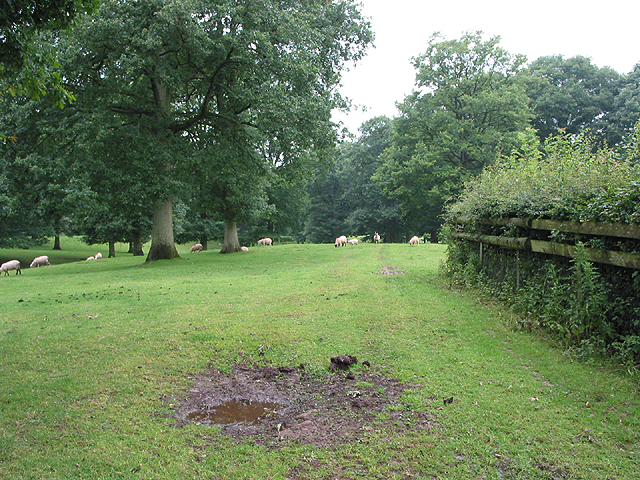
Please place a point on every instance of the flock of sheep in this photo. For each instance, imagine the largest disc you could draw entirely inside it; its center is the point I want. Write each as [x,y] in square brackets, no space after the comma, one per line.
[263,241]
[341,241]
[43,260]
[40,261]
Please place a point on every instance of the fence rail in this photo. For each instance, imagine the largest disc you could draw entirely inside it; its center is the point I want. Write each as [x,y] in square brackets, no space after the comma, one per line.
[602,229]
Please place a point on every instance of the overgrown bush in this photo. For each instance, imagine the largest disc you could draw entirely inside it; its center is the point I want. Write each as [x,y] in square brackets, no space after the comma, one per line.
[586,306]
[568,179]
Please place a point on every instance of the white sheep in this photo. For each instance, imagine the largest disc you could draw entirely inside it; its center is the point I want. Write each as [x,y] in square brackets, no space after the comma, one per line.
[98,256]
[196,248]
[376,237]
[265,241]
[40,261]
[414,240]
[341,241]
[90,258]
[10,265]
[353,241]
[244,249]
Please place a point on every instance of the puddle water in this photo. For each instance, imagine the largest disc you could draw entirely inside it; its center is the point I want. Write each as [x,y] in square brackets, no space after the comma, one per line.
[233,412]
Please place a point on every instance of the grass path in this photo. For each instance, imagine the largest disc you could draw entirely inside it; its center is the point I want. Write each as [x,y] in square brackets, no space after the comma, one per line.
[93,355]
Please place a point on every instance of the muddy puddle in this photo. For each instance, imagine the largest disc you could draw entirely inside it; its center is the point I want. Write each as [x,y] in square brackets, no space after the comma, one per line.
[233,411]
[275,405]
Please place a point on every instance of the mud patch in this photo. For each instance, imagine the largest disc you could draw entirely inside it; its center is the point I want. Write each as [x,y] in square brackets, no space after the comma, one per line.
[322,410]
[391,270]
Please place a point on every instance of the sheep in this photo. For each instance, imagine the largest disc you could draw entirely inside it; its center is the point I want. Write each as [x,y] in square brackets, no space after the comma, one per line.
[341,241]
[265,241]
[353,241]
[414,241]
[40,261]
[10,265]
[90,258]
[244,249]
[196,248]
[98,256]
[376,238]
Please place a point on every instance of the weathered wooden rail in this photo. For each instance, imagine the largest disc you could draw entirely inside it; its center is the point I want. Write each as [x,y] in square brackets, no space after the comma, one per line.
[525,243]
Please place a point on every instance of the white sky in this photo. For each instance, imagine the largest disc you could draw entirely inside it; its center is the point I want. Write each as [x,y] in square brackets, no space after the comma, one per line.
[607,32]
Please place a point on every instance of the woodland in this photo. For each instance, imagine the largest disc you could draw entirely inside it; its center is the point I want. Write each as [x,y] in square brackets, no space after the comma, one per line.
[210,121]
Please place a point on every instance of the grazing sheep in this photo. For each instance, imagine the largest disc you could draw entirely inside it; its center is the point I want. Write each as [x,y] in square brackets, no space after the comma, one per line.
[40,261]
[196,248]
[414,240]
[265,241]
[98,256]
[353,241]
[376,238]
[90,258]
[10,265]
[244,249]
[341,241]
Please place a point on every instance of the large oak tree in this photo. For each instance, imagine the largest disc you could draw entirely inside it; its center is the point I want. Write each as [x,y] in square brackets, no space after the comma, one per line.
[180,69]
[469,104]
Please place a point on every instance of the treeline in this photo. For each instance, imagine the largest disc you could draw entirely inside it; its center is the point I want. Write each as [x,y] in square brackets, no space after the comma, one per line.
[259,156]
[473,103]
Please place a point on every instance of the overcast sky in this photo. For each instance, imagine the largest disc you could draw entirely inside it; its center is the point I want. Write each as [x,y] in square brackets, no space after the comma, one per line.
[606,32]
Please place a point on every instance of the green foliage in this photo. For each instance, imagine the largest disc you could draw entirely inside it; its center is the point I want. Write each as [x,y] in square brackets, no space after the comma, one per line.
[28,65]
[575,96]
[37,174]
[587,312]
[589,309]
[348,200]
[252,84]
[565,180]
[626,109]
[470,104]
[571,303]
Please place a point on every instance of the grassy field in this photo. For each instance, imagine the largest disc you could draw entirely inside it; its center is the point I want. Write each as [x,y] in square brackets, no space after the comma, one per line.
[95,356]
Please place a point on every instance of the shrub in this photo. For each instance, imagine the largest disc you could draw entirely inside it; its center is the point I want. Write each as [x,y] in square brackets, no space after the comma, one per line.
[583,305]
[569,179]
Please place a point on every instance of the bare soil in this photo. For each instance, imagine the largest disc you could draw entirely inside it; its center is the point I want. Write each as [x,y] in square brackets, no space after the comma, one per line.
[323,410]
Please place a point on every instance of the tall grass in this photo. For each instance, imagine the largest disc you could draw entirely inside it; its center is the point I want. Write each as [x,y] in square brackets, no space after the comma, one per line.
[94,355]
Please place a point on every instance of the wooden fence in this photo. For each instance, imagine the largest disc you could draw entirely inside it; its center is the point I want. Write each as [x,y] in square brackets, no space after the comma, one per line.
[526,243]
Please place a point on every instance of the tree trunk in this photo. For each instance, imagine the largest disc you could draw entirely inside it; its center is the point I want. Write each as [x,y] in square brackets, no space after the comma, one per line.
[136,245]
[56,229]
[204,240]
[162,244]
[231,243]
[112,249]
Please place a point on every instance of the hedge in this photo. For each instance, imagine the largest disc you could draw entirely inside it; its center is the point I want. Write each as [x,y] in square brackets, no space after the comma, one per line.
[556,232]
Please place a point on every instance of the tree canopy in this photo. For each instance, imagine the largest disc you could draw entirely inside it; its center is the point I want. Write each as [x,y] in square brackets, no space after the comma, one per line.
[572,95]
[469,105]
[26,65]
[180,71]
[222,108]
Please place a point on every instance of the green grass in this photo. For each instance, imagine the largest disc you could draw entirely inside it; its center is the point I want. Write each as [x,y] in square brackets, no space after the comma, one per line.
[93,355]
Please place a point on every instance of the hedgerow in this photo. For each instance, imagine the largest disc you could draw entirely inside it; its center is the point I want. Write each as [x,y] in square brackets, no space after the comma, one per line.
[588,307]
[568,179]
